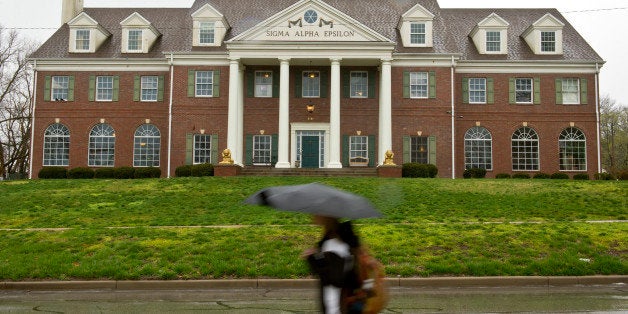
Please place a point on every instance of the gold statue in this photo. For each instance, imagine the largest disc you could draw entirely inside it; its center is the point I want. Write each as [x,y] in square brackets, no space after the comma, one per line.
[388,158]
[226,157]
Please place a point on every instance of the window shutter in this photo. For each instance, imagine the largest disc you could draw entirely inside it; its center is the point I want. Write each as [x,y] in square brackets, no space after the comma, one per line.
[250,83]
[583,91]
[371,82]
[465,90]
[406,149]
[346,84]
[432,81]
[216,83]
[276,83]
[137,87]
[189,148]
[47,88]
[490,91]
[274,148]
[371,150]
[345,150]
[214,149]
[92,88]
[431,147]
[298,84]
[512,95]
[324,84]
[406,84]
[248,150]
[191,83]
[559,91]
[160,85]
[70,88]
[116,88]
[537,91]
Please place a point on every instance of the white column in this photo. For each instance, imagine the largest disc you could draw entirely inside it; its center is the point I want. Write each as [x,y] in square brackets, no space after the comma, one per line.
[385,111]
[240,140]
[283,160]
[234,100]
[334,115]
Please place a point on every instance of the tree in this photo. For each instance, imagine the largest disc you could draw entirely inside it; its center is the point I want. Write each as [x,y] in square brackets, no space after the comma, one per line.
[614,136]
[15,99]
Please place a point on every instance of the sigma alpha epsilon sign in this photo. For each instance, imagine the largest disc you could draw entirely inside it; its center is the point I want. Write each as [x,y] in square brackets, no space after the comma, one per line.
[310,25]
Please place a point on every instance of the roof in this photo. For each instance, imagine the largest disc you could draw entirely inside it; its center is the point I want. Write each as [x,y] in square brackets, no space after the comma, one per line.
[450,36]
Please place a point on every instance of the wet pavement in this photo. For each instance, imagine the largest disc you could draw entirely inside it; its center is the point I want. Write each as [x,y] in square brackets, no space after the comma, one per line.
[606,298]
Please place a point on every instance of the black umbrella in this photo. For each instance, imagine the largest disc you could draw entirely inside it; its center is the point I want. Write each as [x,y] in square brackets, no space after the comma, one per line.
[316,199]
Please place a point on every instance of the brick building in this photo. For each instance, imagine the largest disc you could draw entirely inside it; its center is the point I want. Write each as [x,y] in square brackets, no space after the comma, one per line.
[317,84]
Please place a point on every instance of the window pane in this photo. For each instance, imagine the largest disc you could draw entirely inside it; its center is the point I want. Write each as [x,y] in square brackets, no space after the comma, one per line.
[207,31]
[418,149]
[101,146]
[263,84]
[572,150]
[358,147]
[548,41]
[146,146]
[262,149]
[359,84]
[202,148]
[311,84]
[417,33]
[204,83]
[104,88]
[418,85]
[525,149]
[150,88]
[478,148]
[571,91]
[82,39]
[135,40]
[493,41]
[60,87]
[523,90]
[477,90]
[57,145]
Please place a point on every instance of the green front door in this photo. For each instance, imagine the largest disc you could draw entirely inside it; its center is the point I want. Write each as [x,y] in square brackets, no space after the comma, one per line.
[310,151]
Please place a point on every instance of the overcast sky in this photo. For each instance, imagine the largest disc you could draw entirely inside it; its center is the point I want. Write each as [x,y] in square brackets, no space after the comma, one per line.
[597,21]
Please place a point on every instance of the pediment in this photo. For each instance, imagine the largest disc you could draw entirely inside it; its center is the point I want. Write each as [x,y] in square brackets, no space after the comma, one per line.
[548,21]
[82,20]
[493,21]
[135,20]
[207,11]
[313,21]
[417,13]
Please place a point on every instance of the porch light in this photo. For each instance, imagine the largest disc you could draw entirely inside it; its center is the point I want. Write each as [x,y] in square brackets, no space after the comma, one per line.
[419,133]
[310,108]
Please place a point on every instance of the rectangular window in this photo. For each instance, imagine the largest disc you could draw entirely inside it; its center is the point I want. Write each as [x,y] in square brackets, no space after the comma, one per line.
[477,90]
[59,88]
[417,33]
[263,84]
[358,150]
[548,41]
[523,90]
[571,91]
[150,88]
[204,83]
[419,149]
[262,149]
[135,40]
[311,84]
[202,148]
[104,88]
[359,84]
[419,84]
[207,32]
[82,39]
[493,41]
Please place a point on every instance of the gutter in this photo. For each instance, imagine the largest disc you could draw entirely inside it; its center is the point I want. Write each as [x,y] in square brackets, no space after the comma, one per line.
[33,102]
[170,115]
[453,120]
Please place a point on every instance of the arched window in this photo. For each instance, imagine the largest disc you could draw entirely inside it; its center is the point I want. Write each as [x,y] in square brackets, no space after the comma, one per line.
[57,145]
[146,146]
[572,150]
[478,148]
[525,150]
[102,142]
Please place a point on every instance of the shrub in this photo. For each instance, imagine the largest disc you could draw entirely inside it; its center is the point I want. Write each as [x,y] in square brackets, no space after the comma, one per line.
[81,173]
[521,176]
[123,172]
[202,170]
[560,175]
[417,170]
[623,175]
[53,173]
[474,173]
[104,173]
[541,175]
[581,176]
[502,176]
[147,172]
[183,171]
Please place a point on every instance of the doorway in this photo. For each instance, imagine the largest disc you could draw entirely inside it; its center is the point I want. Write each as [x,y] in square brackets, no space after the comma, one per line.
[310,151]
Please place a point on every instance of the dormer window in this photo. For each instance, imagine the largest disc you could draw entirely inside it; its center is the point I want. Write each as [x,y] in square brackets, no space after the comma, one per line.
[135,40]
[548,41]
[82,39]
[138,34]
[417,33]
[490,35]
[493,41]
[545,36]
[209,26]
[207,33]
[415,27]
[86,35]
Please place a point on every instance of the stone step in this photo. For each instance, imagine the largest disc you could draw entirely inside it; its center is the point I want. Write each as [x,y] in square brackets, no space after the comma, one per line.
[307,172]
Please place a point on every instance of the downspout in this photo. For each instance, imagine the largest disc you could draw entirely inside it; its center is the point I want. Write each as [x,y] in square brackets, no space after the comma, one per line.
[170,114]
[453,126]
[597,118]
[33,102]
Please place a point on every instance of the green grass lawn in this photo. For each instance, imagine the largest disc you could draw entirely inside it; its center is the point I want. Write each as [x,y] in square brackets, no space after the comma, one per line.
[198,228]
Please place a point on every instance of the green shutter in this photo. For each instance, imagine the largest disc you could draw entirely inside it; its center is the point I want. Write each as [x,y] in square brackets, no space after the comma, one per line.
[346,84]
[559,91]
[191,83]
[583,91]
[248,150]
[250,83]
[216,83]
[71,88]
[137,87]
[47,88]
[431,147]
[432,81]
[116,88]
[92,88]
[406,149]
[345,150]
[406,84]
[189,148]
[324,84]
[276,83]
[160,85]
[512,95]
[274,148]
[214,150]
[465,90]
[490,91]
[371,150]
[298,84]
[537,91]
[371,82]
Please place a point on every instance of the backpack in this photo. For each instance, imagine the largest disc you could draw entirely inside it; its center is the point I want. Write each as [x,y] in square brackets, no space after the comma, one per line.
[371,296]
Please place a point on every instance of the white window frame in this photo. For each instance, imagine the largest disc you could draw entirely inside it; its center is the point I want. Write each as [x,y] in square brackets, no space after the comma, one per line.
[81,42]
[206,33]
[149,90]
[419,85]
[60,87]
[548,42]
[572,141]
[262,149]
[571,91]
[56,148]
[416,154]
[480,96]
[418,33]
[311,84]
[202,149]
[525,149]
[518,90]
[104,89]
[102,144]
[478,148]
[358,148]
[264,84]
[204,83]
[132,40]
[146,146]
[493,43]
[359,84]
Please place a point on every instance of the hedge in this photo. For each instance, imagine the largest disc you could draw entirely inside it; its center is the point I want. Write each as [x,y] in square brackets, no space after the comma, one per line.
[81,173]
[417,170]
[53,173]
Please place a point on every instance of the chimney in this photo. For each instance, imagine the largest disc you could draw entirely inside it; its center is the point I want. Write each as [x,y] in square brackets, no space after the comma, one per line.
[70,9]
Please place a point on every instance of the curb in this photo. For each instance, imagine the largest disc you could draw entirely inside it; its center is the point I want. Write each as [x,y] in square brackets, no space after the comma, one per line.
[225,284]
